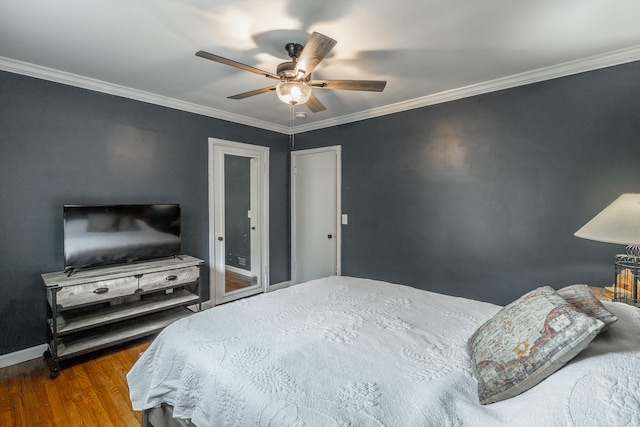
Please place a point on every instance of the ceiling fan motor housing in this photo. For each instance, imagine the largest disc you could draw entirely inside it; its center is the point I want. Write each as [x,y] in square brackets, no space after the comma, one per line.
[286,70]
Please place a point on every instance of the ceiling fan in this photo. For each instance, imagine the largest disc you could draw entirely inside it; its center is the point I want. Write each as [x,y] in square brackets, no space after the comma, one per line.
[296,85]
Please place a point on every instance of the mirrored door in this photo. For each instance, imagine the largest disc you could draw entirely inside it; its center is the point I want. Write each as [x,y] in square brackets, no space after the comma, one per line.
[240,235]
[242,255]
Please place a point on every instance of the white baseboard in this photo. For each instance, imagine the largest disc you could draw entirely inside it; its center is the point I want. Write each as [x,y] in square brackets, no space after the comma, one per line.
[22,355]
[280,285]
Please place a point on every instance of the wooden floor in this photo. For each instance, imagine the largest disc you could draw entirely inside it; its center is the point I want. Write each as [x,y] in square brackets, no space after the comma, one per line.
[90,390]
[234,281]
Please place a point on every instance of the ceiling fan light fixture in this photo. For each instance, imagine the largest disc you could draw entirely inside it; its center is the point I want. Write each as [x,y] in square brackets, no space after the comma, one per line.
[296,85]
[293,92]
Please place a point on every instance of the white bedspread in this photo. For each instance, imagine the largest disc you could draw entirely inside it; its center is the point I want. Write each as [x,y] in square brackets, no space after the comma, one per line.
[353,352]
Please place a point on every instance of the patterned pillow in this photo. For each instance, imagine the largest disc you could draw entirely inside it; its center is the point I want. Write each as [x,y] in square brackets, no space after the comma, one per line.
[585,300]
[527,341]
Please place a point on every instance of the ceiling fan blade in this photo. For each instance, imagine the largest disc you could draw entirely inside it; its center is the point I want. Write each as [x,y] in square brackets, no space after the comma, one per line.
[314,104]
[236,64]
[252,93]
[365,85]
[316,49]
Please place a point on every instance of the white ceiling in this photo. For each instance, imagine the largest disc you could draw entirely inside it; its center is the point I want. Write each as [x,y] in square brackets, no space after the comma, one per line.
[428,51]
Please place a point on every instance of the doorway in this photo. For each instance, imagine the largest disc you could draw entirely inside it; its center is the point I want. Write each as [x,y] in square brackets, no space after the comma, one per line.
[316,179]
[238,218]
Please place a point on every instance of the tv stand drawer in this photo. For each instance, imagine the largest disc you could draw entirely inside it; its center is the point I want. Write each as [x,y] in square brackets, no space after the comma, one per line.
[169,278]
[96,292]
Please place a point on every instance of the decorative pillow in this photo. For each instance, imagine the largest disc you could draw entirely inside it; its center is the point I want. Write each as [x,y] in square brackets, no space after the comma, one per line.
[585,300]
[527,341]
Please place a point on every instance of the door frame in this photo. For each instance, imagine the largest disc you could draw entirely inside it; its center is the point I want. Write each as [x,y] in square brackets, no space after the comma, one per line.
[217,149]
[337,149]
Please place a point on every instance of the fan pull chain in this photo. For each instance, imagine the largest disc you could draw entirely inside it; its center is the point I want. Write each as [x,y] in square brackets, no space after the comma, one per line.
[292,136]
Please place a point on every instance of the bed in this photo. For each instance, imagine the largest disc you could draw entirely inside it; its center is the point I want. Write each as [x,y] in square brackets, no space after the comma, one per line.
[344,351]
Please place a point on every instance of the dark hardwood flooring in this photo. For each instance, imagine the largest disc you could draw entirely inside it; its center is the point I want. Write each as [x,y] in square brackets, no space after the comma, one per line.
[90,390]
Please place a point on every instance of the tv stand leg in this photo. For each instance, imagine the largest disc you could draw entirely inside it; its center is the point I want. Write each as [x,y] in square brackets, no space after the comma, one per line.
[55,366]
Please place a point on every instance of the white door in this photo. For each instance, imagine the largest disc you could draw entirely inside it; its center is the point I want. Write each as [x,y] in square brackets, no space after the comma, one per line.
[238,220]
[315,213]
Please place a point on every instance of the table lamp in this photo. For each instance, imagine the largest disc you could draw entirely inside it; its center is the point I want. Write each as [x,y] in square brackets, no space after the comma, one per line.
[620,223]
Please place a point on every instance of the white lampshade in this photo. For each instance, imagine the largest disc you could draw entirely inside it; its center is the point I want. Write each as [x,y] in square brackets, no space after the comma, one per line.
[293,92]
[617,223]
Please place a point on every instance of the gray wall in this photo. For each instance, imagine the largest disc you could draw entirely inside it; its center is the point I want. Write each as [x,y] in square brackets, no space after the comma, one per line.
[64,145]
[480,197]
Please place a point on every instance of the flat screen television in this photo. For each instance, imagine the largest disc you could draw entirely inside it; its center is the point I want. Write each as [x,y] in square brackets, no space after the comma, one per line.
[116,234]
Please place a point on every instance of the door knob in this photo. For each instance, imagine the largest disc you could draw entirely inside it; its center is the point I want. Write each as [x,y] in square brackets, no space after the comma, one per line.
[330,236]
[221,238]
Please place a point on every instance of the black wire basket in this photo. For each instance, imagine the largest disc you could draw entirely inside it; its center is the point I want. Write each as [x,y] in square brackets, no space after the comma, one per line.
[626,286]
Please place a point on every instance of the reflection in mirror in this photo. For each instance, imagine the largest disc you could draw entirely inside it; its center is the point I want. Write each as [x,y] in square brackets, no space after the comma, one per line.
[239,223]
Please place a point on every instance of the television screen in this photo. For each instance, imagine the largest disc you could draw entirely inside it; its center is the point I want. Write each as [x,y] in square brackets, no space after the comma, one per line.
[112,234]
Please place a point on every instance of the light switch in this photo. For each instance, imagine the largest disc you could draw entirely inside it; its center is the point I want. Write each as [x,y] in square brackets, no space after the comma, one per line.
[345,219]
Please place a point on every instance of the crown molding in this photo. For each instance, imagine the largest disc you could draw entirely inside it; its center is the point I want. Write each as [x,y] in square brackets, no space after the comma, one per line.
[44,73]
[595,62]
[617,57]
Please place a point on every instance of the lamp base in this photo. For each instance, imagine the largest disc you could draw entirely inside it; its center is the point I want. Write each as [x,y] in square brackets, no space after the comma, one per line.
[627,278]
